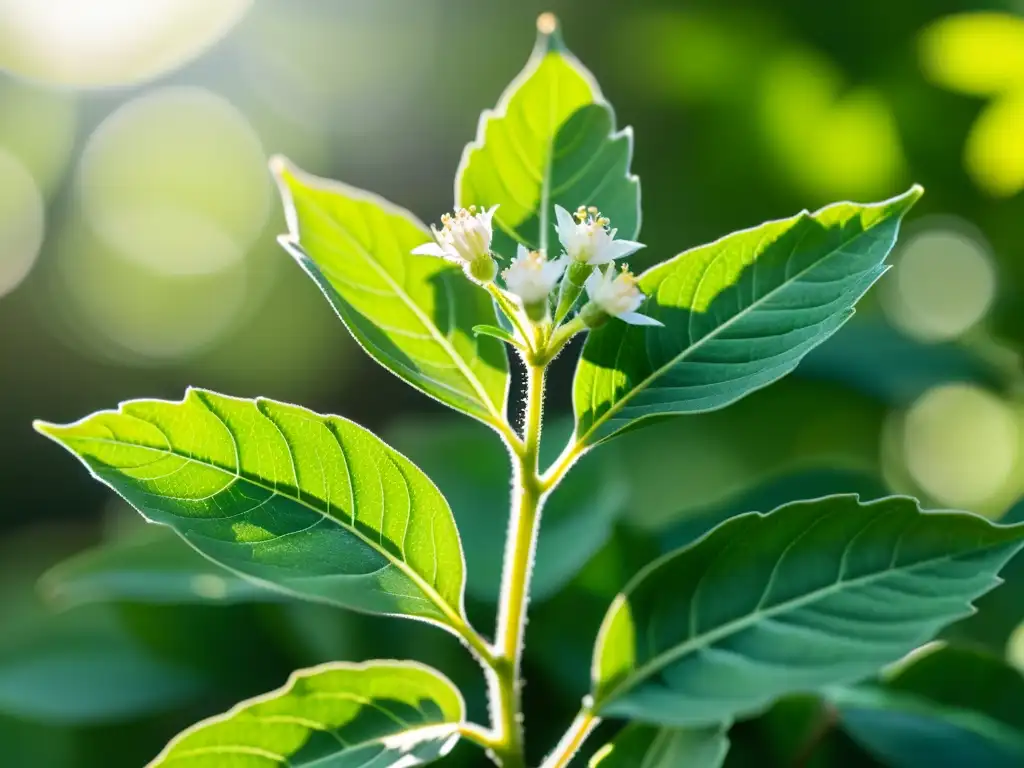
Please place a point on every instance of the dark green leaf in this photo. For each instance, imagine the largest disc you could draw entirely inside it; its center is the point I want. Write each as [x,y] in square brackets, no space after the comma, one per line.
[738,313]
[646,746]
[550,141]
[876,359]
[312,505]
[945,708]
[387,714]
[84,667]
[814,594]
[412,314]
[154,569]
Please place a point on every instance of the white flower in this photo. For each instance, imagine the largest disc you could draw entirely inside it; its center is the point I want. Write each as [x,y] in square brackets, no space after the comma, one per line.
[531,276]
[587,238]
[465,239]
[617,295]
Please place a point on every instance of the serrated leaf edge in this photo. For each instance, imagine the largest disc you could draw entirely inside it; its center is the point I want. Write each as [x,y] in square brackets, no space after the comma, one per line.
[459,624]
[725,630]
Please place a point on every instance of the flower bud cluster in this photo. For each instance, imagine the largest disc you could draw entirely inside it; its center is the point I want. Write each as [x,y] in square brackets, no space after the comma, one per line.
[589,249]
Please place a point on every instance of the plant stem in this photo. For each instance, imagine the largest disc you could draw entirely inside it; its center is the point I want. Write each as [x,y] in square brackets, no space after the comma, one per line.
[581,728]
[528,499]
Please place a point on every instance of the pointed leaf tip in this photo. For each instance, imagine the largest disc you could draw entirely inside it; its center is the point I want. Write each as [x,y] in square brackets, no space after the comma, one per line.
[278,165]
[549,33]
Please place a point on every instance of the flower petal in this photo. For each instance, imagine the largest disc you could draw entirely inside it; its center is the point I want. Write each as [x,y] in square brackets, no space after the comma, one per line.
[593,283]
[429,249]
[522,252]
[635,318]
[566,225]
[619,248]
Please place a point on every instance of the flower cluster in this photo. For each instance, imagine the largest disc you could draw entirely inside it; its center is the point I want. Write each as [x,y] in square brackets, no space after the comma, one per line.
[589,250]
[465,239]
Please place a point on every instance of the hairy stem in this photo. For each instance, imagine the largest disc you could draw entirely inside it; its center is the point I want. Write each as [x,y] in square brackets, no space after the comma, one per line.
[528,498]
[581,728]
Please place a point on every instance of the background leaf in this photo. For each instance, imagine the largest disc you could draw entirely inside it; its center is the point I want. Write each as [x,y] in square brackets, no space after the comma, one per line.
[472,470]
[944,707]
[413,314]
[550,141]
[383,713]
[315,506]
[153,569]
[814,594]
[85,667]
[645,746]
[739,313]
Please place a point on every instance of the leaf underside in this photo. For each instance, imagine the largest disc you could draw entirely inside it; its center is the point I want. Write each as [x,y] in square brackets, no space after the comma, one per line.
[380,714]
[313,505]
[738,314]
[814,594]
[946,707]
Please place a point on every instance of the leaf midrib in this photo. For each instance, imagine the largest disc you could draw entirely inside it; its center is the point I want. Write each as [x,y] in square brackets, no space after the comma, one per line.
[624,400]
[435,332]
[434,597]
[750,619]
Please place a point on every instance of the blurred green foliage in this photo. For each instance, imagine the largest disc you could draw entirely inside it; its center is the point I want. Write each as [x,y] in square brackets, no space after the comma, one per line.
[137,257]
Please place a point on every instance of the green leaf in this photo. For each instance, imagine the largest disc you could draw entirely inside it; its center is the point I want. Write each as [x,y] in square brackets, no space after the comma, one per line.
[413,314]
[473,472]
[315,506]
[874,358]
[495,332]
[738,313]
[161,569]
[722,456]
[946,707]
[382,713]
[645,746]
[814,594]
[550,141]
[84,667]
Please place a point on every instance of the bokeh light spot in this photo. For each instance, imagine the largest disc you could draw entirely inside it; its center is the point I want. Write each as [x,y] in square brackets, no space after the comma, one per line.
[1015,647]
[994,152]
[21,222]
[976,53]
[109,42]
[209,586]
[944,283]
[38,127]
[126,312]
[960,444]
[176,181]
[832,143]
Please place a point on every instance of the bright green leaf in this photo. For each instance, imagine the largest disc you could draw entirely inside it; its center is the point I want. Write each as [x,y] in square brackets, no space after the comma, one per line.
[495,332]
[550,141]
[645,746]
[312,505]
[382,713]
[160,569]
[946,707]
[814,594]
[739,313]
[413,314]
[472,470]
